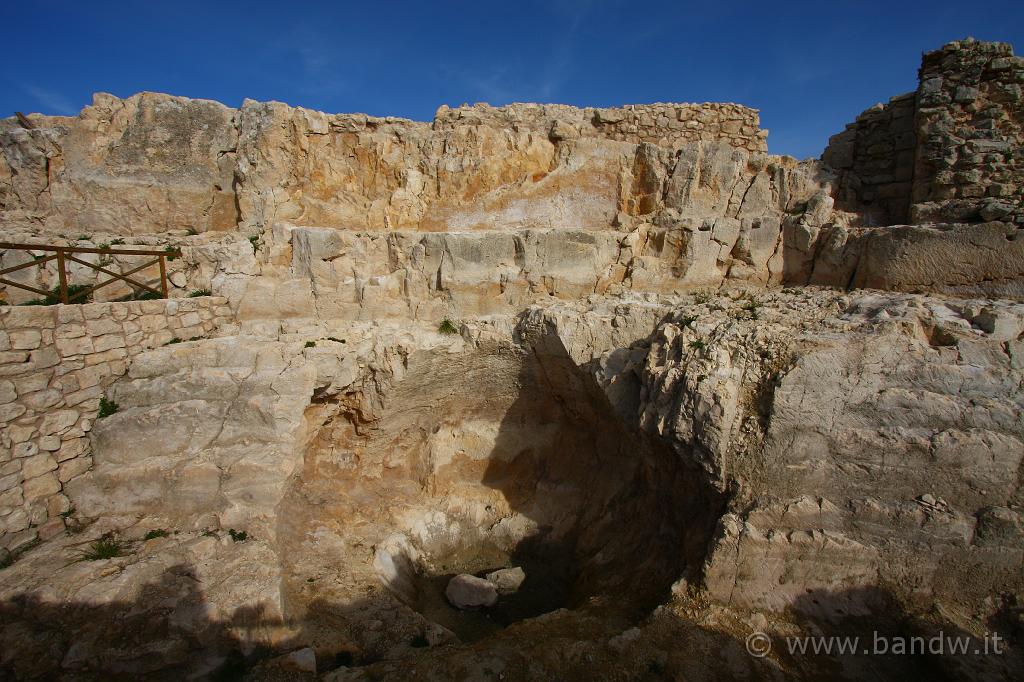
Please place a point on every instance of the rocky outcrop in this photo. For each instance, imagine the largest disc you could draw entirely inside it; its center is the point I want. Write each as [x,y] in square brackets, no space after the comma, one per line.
[535,336]
[868,441]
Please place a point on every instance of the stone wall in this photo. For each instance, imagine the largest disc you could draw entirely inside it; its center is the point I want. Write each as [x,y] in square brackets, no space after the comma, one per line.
[666,125]
[948,152]
[970,122]
[874,158]
[56,362]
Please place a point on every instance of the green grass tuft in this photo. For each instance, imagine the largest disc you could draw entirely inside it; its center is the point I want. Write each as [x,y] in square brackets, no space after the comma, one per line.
[697,343]
[310,344]
[200,292]
[153,534]
[238,535]
[107,408]
[53,298]
[447,327]
[107,547]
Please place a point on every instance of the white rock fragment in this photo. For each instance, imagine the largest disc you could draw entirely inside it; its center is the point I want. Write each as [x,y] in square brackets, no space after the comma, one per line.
[466,591]
[507,580]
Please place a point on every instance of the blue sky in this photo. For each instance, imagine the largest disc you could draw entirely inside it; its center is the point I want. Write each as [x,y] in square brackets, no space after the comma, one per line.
[810,67]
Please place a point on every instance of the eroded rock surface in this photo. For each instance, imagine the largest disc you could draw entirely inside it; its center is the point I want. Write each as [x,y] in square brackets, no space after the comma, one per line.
[534,336]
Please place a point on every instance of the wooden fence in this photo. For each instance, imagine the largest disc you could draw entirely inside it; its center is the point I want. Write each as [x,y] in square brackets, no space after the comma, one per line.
[64,254]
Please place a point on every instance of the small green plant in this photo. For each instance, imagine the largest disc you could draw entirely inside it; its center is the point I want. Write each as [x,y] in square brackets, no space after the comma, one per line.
[335,339]
[194,338]
[173,340]
[67,514]
[256,243]
[82,238]
[238,535]
[687,320]
[192,232]
[104,245]
[116,242]
[447,327]
[153,534]
[106,547]
[310,580]
[697,344]
[702,296]
[53,297]
[171,253]
[107,408]
[310,344]
[200,292]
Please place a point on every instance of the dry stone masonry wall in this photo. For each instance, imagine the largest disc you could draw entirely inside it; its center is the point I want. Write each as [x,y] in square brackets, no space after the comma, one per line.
[949,152]
[874,158]
[970,121]
[56,363]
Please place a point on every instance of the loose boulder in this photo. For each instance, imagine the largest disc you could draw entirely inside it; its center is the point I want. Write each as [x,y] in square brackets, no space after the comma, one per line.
[466,591]
[507,580]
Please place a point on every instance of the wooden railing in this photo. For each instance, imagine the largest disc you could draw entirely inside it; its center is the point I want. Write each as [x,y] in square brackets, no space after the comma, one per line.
[63,254]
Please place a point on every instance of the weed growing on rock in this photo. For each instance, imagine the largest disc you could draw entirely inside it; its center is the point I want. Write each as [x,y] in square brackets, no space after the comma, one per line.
[153,534]
[256,243]
[200,292]
[173,340]
[238,535]
[106,547]
[53,298]
[107,408]
[310,344]
[697,344]
[336,340]
[702,296]
[447,327]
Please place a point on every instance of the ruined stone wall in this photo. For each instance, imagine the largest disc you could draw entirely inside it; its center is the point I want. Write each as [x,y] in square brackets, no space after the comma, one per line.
[56,363]
[874,158]
[666,125]
[949,152]
[970,122]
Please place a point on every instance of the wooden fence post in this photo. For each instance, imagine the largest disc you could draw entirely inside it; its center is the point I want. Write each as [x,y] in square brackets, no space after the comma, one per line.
[62,275]
[163,277]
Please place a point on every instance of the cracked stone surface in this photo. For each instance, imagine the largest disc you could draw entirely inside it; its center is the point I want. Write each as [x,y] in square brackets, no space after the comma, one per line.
[693,391]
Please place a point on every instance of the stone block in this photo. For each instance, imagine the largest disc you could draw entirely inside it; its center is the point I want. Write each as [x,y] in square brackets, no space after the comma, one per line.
[73,467]
[37,465]
[25,340]
[41,486]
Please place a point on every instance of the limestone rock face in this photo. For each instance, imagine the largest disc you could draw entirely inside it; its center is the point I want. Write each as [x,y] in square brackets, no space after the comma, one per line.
[622,401]
[870,440]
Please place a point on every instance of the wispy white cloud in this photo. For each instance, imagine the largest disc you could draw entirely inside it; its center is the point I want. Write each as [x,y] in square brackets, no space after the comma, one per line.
[318,60]
[516,82]
[53,102]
